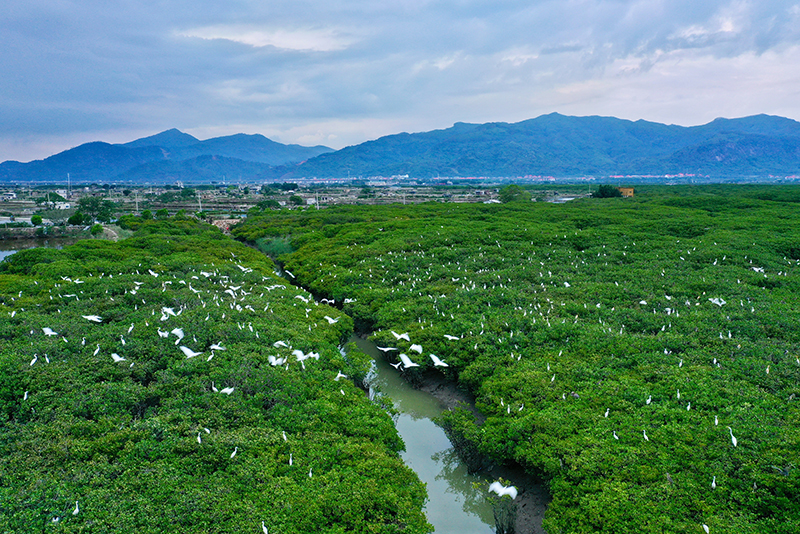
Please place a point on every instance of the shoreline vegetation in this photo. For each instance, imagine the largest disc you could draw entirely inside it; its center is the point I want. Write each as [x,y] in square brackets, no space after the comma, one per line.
[638,355]
[171,381]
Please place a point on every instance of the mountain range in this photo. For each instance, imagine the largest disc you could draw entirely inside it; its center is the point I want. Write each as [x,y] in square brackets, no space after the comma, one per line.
[163,158]
[549,145]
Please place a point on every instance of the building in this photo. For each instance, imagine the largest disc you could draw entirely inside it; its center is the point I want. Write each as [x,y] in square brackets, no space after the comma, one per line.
[626,191]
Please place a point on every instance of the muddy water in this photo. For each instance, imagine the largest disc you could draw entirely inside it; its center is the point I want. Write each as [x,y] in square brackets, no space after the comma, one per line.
[454,505]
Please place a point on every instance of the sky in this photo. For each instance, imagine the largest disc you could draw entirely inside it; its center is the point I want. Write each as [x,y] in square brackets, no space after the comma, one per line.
[338,73]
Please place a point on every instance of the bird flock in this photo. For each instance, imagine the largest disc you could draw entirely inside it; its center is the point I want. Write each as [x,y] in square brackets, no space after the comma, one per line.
[216,316]
[530,320]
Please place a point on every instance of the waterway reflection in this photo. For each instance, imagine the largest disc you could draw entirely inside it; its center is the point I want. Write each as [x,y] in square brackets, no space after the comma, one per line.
[10,246]
[454,505]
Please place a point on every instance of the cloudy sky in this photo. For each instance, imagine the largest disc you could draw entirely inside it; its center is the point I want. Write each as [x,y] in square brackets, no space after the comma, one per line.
[338,73]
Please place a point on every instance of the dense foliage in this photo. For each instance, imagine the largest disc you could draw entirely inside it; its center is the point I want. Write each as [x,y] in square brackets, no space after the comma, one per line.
[617,347]
[104,404]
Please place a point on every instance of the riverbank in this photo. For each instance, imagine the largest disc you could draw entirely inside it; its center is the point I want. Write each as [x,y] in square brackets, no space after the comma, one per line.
[533,497]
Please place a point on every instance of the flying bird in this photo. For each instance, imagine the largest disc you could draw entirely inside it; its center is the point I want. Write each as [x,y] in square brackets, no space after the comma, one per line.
[93,318]
[189,352]
[401,336]
[437,362]
[226,391]
[407,361]
[331,320]
[49,331]
[417,348]
[117,358]
[501,490]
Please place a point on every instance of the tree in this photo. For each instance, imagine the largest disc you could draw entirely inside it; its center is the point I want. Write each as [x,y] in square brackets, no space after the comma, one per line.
[76,218]
[96,208]
[147,214]
[268,204]
[162,213]
[513,193]
[96,230]
[296,200]
[606,191]
[36,220]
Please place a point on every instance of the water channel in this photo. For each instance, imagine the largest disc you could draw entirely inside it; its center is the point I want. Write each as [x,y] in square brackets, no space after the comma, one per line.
[454,505]
[9,247]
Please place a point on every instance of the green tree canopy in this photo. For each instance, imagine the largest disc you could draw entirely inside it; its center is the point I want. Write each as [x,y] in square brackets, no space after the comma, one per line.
[606,191]
[96,208]
[513,193]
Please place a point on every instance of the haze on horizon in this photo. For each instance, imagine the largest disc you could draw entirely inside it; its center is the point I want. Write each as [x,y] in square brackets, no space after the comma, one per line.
[340,73]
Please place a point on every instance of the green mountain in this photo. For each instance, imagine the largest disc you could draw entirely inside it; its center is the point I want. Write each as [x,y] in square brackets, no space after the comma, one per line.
[563,146]
[168,156]
[549,145]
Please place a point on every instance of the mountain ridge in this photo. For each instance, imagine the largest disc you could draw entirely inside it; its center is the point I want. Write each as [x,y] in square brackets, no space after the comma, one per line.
[549,145]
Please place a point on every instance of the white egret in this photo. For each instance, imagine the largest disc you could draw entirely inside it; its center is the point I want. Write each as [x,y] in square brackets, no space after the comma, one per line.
[77,509]
[199,440]
[226,391]
[401,336]
[438,362]
[714,482]
[291,460]
[217,346]
[644,434]
[117,358]
[49,331]
[179,333]
[189,352]
[733,438]
[705,528]
[340,375]
[25,396]
[264,528]
[331,320]
[35,358]
[417,348]
[387,349]
[606,414]
[214,388]
[235,450]
[649,400]
[614,433]
[310,474]
[407,361]
[501,490]
[451,338]
[93,318]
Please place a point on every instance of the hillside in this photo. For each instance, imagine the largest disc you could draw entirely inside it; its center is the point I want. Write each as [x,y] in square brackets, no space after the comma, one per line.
[549,145]
[562,146]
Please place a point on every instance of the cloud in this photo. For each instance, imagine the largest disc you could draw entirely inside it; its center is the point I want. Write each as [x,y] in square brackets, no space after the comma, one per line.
[302,69]
[308,39]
